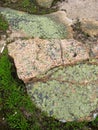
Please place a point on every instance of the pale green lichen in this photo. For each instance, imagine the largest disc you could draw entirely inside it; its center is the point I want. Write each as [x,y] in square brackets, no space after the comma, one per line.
[61,98]
[78,73]
[35,25]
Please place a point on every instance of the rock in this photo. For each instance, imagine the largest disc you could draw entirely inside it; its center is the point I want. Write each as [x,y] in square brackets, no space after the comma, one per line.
[15,35]
[86,9]
[73,51]
[94,50]
[68,94]
[42,26]
[45,3]
[90,27]
[93,61]
[3,37]
[14,1]
[60,16]
[35,56]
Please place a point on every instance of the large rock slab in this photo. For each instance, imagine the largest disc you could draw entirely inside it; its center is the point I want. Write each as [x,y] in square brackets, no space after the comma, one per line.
[67,93]
[41,26]
[80,8]
[35,56]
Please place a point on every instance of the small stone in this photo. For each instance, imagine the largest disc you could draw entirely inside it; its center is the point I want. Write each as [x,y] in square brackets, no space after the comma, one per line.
[90,27]
[45,3]
[3,37]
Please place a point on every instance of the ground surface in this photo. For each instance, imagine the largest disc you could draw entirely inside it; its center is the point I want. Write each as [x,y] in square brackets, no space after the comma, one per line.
[64,90]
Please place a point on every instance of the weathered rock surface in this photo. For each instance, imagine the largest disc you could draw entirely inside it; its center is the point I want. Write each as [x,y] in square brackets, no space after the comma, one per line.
[94,49]
[37,25]
[44,3]
[80,8]
[68,93]
[35,56]
[90,27]
[60,73]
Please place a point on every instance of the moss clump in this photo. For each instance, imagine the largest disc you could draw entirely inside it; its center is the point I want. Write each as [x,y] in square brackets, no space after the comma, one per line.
[13,100]
[3,24]
[29,6]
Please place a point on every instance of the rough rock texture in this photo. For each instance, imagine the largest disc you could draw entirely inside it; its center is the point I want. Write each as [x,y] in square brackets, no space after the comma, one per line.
[90,27]
[94,49]
[80,8]
[60,73]
[35,56]
[44,3]
[37,25]
[69,93]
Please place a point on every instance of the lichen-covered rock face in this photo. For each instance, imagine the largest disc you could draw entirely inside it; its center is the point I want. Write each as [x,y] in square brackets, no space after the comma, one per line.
[44,3]
[94,50]
[37,25]
[35,56]
[60,73]
[69,93]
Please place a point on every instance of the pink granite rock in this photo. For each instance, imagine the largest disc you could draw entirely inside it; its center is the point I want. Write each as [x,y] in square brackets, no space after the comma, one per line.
[73,51]
[35,56]
[80,8]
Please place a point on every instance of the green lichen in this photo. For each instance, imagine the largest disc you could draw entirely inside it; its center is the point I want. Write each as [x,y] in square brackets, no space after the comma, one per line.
[78,73]
[66,95]
[35,25]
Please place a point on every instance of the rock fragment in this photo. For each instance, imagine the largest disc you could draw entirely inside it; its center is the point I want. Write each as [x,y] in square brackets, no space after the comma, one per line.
[90,27]
[36,56]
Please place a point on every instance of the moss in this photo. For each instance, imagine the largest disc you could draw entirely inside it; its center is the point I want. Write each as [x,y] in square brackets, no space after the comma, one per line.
[29,6]
[3,24]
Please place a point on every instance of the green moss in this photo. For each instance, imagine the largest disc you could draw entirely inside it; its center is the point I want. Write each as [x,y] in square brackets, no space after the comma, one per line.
[29,6]
[3,24]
